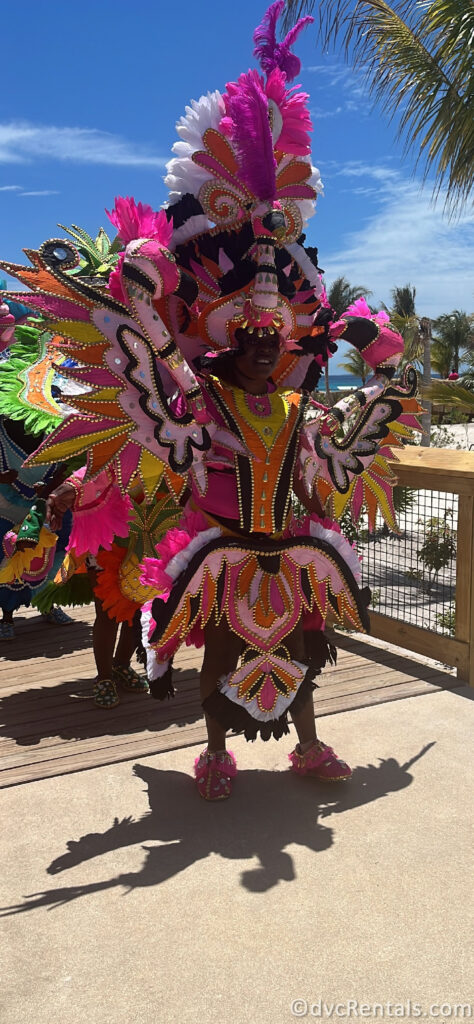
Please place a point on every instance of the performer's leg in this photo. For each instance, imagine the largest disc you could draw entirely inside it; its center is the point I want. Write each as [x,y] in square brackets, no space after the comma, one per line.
[126,646]
[221,654]
[216,767]
[303,719]
[7,629]
[311,756]
[104,634]
[123,673]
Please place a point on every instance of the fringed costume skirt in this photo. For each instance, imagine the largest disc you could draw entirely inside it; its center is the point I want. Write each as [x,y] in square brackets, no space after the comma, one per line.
[263,587]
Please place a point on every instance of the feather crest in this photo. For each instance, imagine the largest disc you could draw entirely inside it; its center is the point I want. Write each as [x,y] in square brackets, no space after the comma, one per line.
[248,122]
[278,55]
[138,220]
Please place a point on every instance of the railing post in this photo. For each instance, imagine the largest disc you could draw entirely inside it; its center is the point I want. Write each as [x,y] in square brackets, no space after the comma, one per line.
[464,622]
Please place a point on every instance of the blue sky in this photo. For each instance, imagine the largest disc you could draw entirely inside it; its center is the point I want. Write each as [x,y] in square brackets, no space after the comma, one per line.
[91,93]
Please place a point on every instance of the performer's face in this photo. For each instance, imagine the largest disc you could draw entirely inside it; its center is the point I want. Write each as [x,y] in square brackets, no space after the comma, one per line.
[258,357]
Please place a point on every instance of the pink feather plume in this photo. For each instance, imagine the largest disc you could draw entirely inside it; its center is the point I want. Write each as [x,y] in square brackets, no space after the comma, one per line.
[278,55]
[248,124]
[138,220]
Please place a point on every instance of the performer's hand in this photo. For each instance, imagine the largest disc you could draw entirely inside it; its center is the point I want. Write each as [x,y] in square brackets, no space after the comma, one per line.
[8,476]
[58,503]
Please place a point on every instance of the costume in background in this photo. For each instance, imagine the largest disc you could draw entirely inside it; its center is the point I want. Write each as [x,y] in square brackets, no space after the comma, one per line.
[30,407]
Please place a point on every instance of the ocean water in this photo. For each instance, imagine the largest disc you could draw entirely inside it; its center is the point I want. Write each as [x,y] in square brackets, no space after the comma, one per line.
[340,380]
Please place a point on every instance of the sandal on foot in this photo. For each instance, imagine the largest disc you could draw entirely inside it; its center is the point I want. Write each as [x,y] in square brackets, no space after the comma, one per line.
[57,617]
[320,762]
[214,774]
[129,680]
[7,631]
[105,694]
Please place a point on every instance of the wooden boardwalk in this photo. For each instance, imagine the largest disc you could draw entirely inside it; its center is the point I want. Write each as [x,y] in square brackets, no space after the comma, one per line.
[50,726]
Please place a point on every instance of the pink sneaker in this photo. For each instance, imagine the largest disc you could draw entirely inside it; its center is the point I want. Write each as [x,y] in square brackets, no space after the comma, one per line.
[320,762]
[214,774]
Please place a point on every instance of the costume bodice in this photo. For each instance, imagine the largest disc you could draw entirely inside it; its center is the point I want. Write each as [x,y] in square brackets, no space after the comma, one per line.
[268,427]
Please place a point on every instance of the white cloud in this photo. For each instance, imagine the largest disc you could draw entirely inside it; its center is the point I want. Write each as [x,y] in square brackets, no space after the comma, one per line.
[23,142]
[348,81]
[346,107]
[319,114]
[41,192]
[10,188]
[357,169]
[407,239]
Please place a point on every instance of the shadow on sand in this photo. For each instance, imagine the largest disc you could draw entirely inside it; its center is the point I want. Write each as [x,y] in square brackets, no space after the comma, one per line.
[250,825]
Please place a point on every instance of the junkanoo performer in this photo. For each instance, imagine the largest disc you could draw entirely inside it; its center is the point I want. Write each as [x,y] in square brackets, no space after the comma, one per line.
[110,534]
[223,281]
[28,411]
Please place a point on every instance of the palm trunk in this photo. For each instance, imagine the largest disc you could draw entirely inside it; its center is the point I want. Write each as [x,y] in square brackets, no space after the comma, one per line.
[425,335]
[326,381]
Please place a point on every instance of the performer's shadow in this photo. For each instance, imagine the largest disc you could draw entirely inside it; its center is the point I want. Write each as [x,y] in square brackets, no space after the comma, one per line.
[268,812]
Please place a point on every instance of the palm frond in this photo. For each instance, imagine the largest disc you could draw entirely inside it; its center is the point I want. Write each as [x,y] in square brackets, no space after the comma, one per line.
[451,393]
[356,365]
[417,64]
[341,294]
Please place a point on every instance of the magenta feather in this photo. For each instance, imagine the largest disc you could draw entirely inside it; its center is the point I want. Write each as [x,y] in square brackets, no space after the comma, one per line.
[247,109]
[264,36]
[278,55]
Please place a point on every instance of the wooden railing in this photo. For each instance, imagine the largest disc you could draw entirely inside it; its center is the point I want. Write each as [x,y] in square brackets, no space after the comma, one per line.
[441,469]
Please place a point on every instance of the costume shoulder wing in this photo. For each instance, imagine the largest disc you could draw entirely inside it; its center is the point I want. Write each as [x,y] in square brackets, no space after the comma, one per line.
[127,362]
[346,451]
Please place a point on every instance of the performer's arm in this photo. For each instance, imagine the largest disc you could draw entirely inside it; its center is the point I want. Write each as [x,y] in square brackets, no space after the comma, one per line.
[310,503]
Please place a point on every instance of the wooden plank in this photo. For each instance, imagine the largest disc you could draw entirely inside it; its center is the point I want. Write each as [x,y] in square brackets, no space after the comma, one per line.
[379,696]
[425,480]
[141,747]
[146,747]
[413,638]
[447,469]
[49,732]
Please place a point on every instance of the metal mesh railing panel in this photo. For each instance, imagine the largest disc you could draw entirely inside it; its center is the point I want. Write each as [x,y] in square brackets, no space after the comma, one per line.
[413,576]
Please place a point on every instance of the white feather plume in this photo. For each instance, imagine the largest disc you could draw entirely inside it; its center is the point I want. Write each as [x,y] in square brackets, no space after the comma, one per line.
[182,174]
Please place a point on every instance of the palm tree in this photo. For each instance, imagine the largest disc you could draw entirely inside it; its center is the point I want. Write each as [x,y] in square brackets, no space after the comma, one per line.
[454,339]
[342,294]
[354,364]
[403,300]
[417,62]
[425,340]
[416,333]
[404,319]
[441,358]
[454,393]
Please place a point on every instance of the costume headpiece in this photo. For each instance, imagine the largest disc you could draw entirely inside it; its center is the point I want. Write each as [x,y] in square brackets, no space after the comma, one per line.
[242,187]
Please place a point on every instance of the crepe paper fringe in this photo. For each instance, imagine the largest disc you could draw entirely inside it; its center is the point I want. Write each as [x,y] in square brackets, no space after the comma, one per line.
[108,589]
[138,220]
[175,552]
[96,527]
[76,593]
